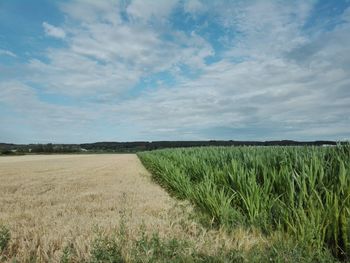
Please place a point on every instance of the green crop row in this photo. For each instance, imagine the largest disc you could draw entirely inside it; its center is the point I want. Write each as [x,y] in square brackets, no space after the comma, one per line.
[303,192]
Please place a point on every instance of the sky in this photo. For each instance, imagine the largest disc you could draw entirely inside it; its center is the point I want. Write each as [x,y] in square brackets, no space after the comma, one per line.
[77,71]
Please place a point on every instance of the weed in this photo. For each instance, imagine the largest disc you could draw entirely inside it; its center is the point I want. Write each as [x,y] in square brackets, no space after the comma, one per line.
[106,249]
[5,237]
[67,254]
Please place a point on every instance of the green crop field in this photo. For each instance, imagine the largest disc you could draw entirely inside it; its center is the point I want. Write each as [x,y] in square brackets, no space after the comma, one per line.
[302,193]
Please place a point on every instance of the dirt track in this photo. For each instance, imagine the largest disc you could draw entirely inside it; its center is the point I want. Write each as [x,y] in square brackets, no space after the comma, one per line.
[48,201]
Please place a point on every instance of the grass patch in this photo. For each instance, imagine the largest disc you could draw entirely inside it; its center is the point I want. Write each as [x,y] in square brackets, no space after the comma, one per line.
[152,248]
[5,237]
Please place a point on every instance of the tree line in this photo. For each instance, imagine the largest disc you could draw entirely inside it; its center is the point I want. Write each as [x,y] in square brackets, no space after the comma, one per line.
[6,148]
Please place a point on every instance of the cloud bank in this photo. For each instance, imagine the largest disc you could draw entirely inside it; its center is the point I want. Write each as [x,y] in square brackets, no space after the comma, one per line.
[185,70]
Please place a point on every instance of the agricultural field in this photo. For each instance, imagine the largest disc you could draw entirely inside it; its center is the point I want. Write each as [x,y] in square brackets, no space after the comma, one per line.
[100,208]
[297,197]
[209,204]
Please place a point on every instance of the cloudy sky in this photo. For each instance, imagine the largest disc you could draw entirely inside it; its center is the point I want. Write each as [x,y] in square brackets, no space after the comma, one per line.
[86,70]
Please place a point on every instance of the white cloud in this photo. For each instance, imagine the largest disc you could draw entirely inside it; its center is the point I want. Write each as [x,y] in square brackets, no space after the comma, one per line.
[289,96]
[53,31]
[274,81]
[285,98]
[7,53]
[36,119]
[113,55]
[268,28]
[145,9]
[193,6]
[90,11]
[72,74]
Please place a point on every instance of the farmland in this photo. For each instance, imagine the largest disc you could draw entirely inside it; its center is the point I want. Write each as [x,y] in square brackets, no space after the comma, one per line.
[226,204]
[99,208]
[51,202]
[299,193]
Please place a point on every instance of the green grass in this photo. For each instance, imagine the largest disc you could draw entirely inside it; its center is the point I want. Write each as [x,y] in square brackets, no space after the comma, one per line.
[302,192]
[150,249]
[4,237]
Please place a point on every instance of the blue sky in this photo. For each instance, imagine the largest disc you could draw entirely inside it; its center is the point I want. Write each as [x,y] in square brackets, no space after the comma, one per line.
[124,70]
